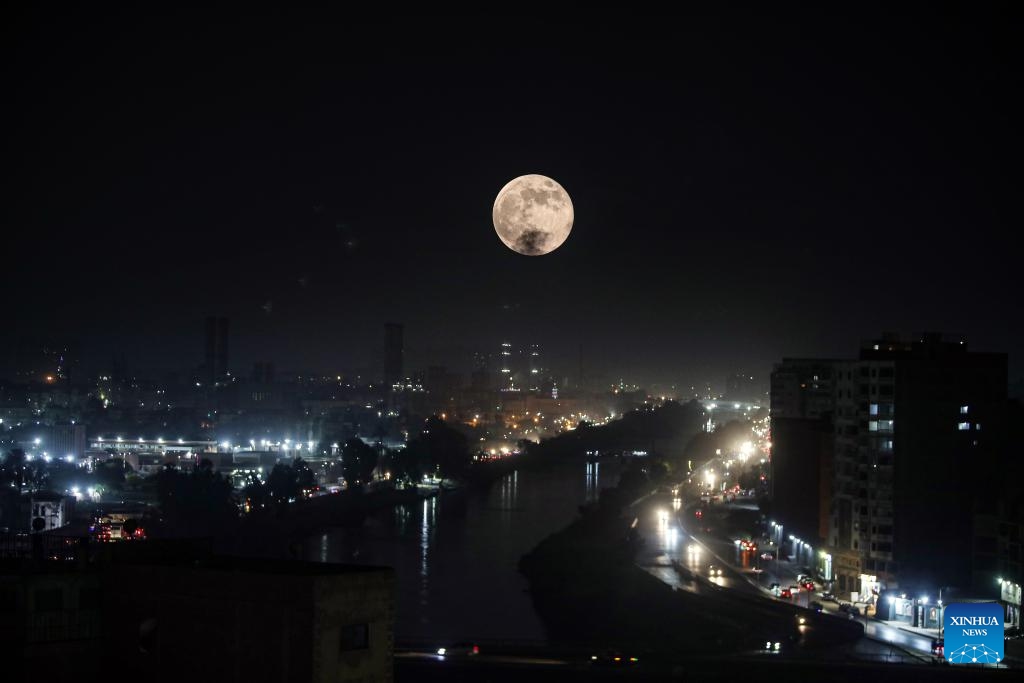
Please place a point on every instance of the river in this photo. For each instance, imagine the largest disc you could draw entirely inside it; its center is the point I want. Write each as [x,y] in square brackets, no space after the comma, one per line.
[457,559]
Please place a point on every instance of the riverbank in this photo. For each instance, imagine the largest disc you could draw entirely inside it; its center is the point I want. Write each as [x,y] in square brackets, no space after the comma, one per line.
[279,531]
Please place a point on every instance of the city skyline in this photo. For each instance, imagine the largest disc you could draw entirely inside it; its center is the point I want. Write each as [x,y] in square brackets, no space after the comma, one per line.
[482,348]
[328,195]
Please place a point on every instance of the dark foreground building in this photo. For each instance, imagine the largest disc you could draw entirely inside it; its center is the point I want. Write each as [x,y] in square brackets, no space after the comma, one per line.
[169,612]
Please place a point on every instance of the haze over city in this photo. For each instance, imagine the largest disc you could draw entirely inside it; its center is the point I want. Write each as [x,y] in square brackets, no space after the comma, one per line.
[474,349]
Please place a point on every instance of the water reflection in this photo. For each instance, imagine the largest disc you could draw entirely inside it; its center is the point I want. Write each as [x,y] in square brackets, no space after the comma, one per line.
[508,492]
[453,553]
[593,481]
[428,519]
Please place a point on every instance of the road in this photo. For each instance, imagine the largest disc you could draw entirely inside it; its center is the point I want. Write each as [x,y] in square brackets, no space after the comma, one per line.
[681,552]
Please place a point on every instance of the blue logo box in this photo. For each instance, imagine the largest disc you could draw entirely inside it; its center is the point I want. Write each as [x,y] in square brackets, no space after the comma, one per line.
[973,633]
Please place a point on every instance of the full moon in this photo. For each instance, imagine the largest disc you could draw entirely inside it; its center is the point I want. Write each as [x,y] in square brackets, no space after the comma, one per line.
[533,215]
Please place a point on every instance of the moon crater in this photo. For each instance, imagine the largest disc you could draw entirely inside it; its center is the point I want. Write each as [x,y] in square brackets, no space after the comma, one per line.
[533,215]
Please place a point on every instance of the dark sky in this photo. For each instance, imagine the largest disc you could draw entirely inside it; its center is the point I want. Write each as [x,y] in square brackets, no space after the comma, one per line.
[745,187]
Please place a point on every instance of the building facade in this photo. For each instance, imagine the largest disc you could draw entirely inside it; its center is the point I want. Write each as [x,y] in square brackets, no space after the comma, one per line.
[912,430]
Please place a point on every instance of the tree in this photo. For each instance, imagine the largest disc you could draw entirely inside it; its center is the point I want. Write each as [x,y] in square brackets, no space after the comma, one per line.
[305,480]
[13,469]
[109,474]
[409,464]
[441,446]
[357,462]
[197,503]
[281,484]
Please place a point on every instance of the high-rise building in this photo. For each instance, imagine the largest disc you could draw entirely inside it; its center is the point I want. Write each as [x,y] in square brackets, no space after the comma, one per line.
[262,372]
[480,378]
[63,440]
[536,374]
[802,405]
[215,361]
[507,380]
[394,351]
[904,442]
[222,348]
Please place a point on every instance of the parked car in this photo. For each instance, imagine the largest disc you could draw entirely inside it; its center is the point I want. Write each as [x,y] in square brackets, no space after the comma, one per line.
[829,597]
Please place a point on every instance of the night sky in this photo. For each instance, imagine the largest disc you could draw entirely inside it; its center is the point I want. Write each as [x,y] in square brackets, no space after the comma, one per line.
[745,187]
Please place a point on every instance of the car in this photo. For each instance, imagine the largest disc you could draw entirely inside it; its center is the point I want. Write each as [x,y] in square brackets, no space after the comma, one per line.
[773,647]
[829,597]
[714,571]
[801,578]
[767,556]
[808,586]
[817,606]
[774,589]
[939,648]
[461,649]
[786,593]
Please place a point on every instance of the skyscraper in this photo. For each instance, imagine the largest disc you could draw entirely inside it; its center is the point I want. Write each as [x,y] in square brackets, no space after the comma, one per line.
[222,348]
[393,353]
[507,380]
[215,364]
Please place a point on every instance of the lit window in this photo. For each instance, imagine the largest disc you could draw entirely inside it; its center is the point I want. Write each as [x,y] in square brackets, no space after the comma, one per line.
[873,426]
[964,426]
[977,427]
[887,445]
[964,409]
[873,410]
